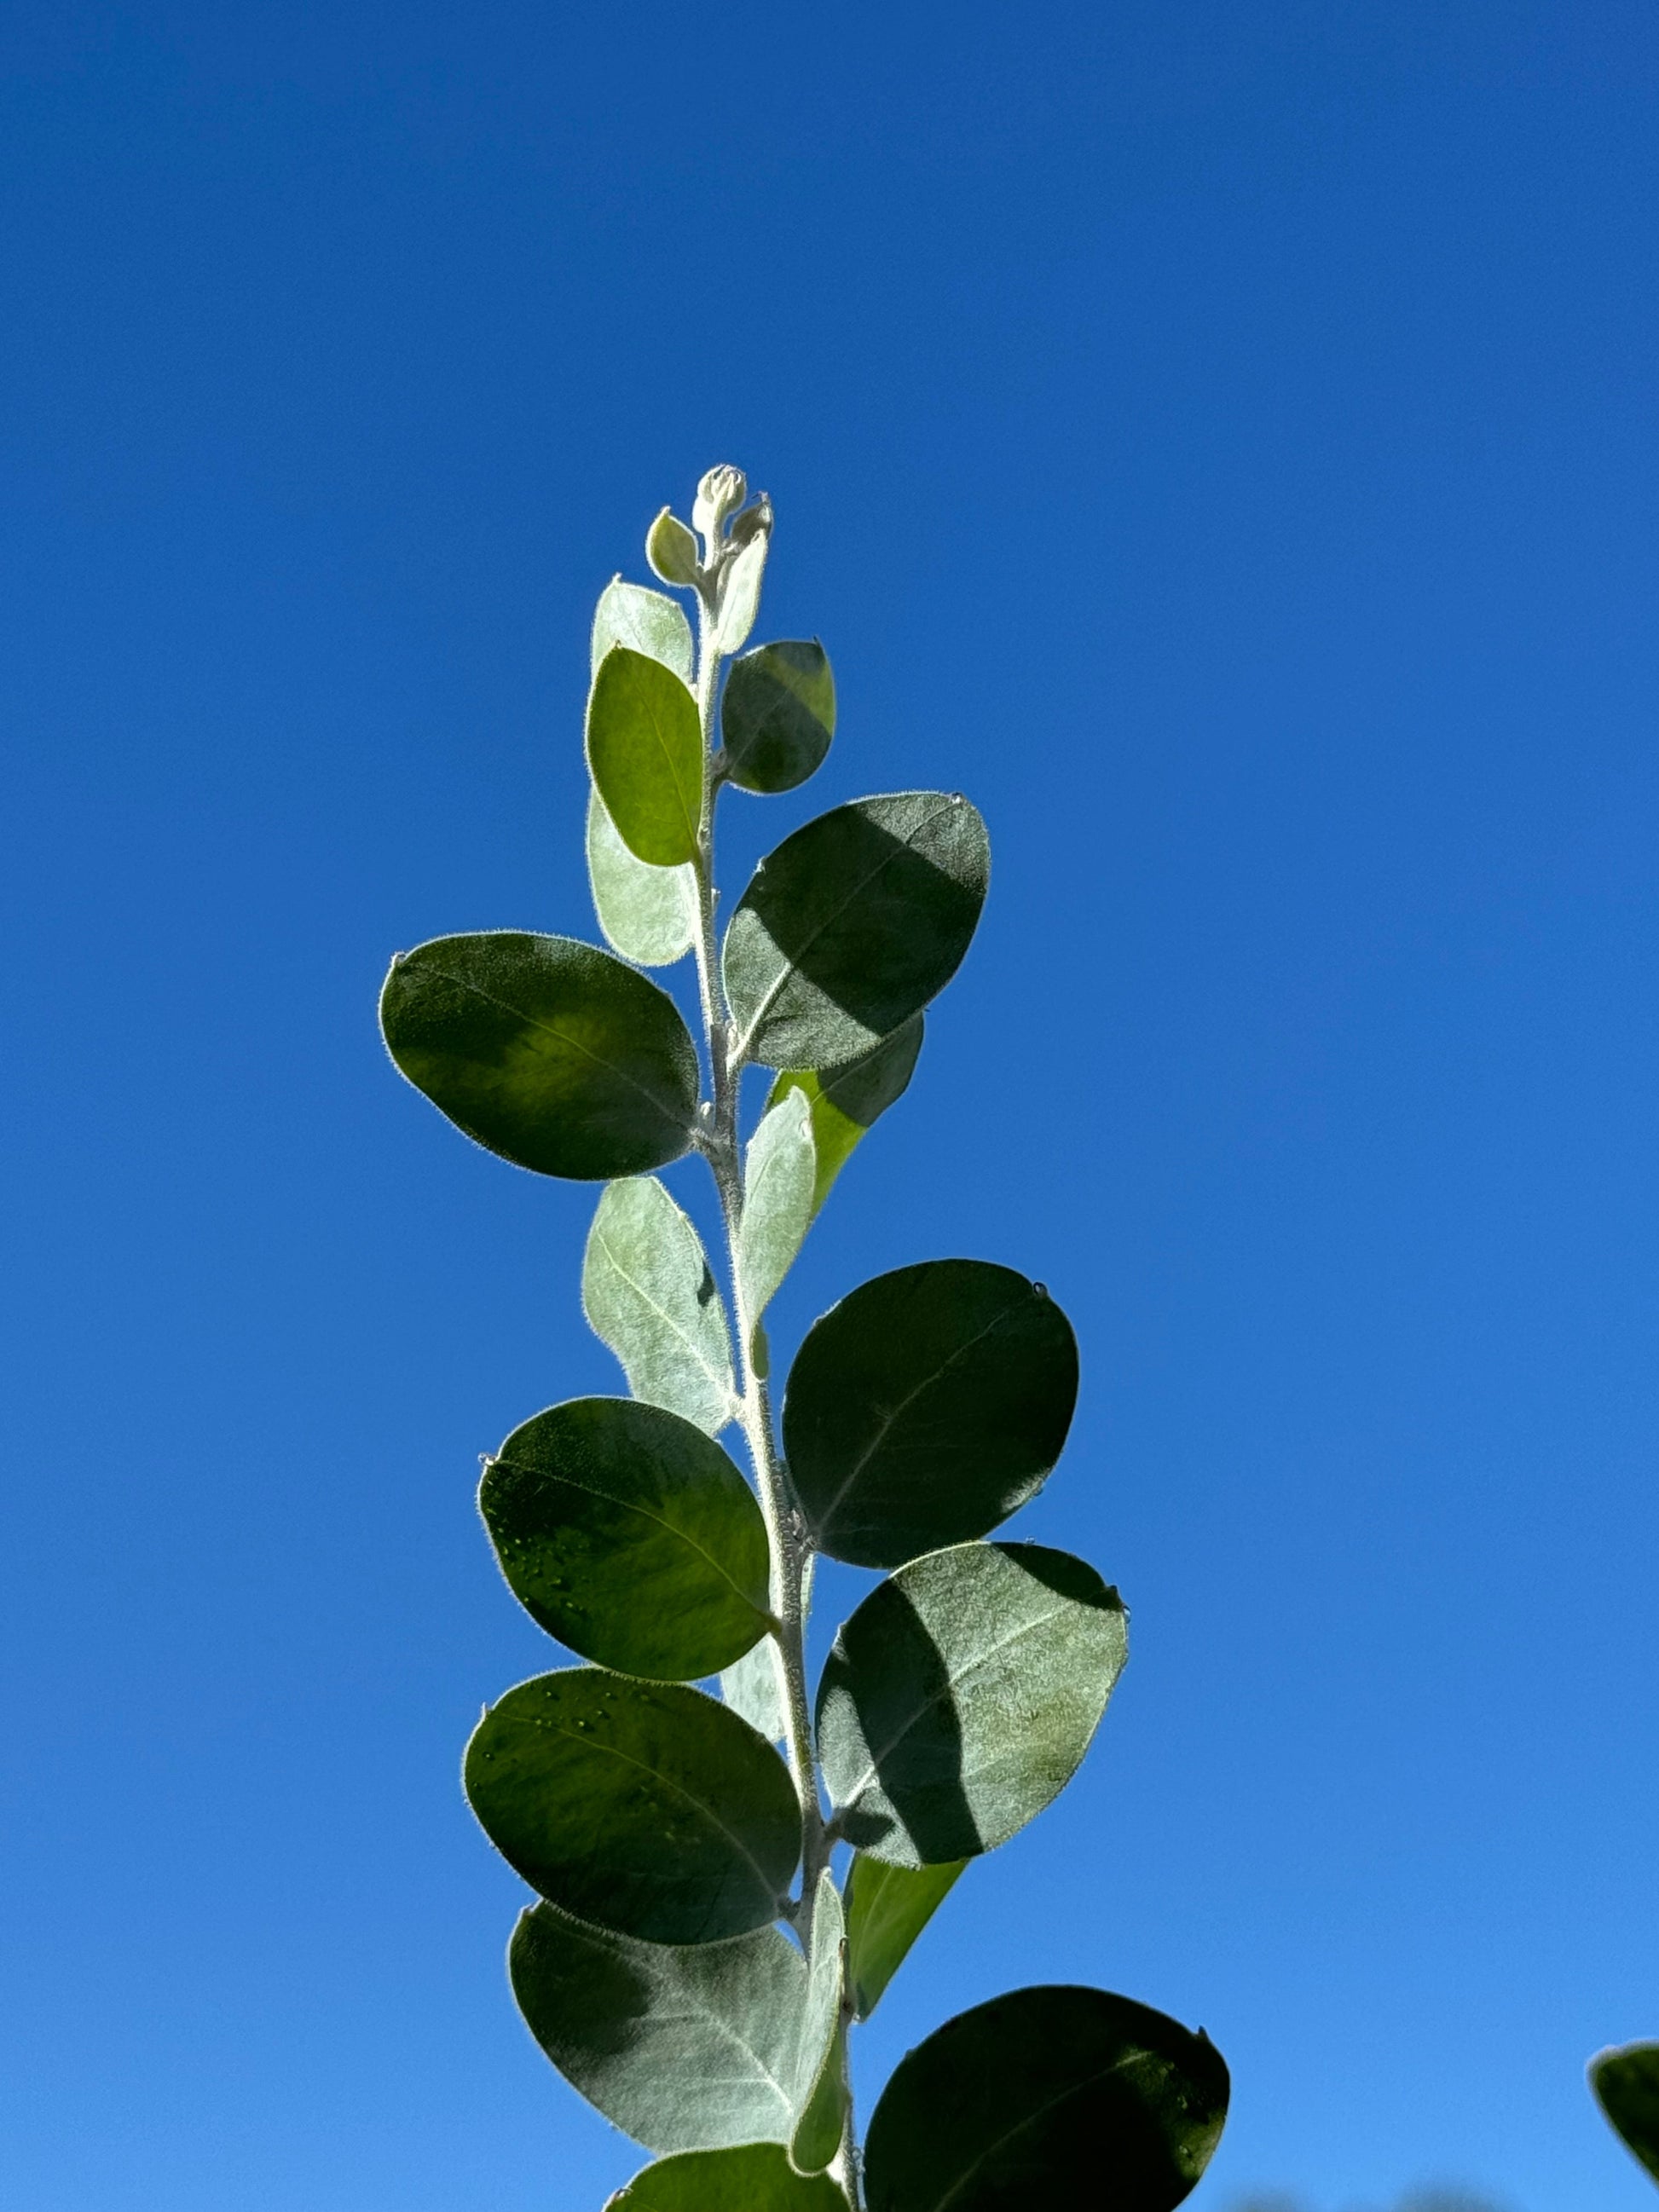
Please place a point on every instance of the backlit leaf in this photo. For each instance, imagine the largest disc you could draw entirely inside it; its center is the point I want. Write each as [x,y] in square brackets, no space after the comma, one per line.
[847,1100]
[778,715]
[1048,2097]
[887,1908]
[647,621]
[626,1533]
[960,1697]
[549,1052]
[649,914]
[645,752]
[852,926]
[758,2178]
[642,1807]
[925,1407]
[777,1203]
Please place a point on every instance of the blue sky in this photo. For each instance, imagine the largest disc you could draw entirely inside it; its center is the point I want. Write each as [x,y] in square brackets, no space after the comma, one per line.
[1221,439]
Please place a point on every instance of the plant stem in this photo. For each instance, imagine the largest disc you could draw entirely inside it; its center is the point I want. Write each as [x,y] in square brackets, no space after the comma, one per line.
[721,1147]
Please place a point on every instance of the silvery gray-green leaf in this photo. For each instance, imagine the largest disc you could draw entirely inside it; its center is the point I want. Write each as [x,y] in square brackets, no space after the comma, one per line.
[648,914]
[626,1533]
[1048,2097]
[925,1407]
[756,2179]
[649,1293]
[671,549]
[643,1807]
[846,1100]
[778,715]
[683,2048]
[852,926]
[739,592]
[818,2097]
[961,1696]
[887,1908]
[780,1175]
[647,621]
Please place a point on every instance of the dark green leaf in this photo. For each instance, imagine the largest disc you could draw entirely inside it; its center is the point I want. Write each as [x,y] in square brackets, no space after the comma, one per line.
[1048,2097]
[777,1201]
[758,2178]
[629,1535]
[1627,2084]
[647,621]
[649,914]
[549,1052]
[648,1292]
[925,1407]
[847,1100]
[642,1807]
[961,1696]
[852,926]
[645,752]
[887,1908]
[683,2049]
[778,715]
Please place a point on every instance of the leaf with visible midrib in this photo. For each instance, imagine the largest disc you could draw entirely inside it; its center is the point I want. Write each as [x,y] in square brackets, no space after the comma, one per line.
[649,1293]
[1055,2095]
[645,752]
[960,1697]
[757,2179]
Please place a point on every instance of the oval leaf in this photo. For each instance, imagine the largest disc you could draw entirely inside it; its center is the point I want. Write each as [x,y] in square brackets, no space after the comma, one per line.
[925,1407]
[820,2093]
[644,621]
[778,715]
[645,752]
[1626,2080]
[683,2049]
[780,1172]
[852,926]
[629,1535]
[642,1807]
[1055,2096]
[757,2179]
[649,914]
[739,593]
[649,1293]
[551,1052]
[959,1699]
[847,1100]
[887,1908]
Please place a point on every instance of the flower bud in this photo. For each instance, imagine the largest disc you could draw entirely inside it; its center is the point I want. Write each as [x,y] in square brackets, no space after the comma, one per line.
[722,491]
[671,549]
[754,521]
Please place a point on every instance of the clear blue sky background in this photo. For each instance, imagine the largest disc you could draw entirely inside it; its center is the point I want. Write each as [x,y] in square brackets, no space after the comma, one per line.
[1219,436]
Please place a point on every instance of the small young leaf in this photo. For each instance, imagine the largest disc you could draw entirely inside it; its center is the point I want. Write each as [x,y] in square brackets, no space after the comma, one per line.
[648,914]
[925,1407]
[671,549]
[551,1052]
[644,1807]
[960,1697]
[645,751]
[846,1100]
[648,1292]
[887,1908]
[777,1205]
[819,2093]
[852,926]
[739,593]
[1626,2080]
[629,1535]
[1048,2097]
[757,2179]
[647,621]
[778,715]
[683,2049]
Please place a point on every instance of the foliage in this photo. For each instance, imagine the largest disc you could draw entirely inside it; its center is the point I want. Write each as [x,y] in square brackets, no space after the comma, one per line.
[693,1966]
[1625,2083]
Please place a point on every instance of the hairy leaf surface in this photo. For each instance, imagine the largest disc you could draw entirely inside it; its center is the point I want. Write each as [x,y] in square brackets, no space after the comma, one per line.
[925,1407]
[780,1172]
[887,1908]
[644,621]
[648,914]
[778,715]
[626,1533]
[642,1807]
[549,1052]
[758,2178]
[846,1100]
[960,1697]
[645,752]
[852,926]
[649,1293]
[1048,2096]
